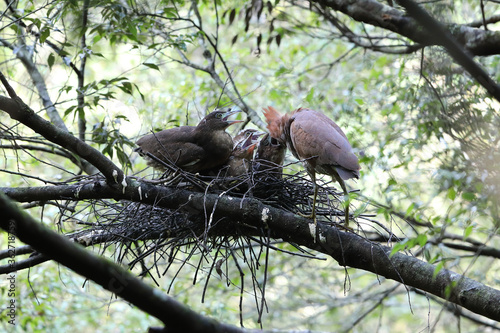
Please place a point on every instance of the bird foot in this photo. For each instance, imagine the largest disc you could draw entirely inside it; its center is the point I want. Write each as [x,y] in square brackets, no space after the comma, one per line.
[313,217]
[308,216]
[346,228]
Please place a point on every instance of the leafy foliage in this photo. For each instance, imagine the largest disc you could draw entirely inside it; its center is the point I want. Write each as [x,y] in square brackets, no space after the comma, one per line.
[426,132]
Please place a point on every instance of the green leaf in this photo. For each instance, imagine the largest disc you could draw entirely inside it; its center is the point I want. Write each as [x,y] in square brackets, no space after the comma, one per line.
[133,30]
[469,196]
[139,91]
[310,96]
[69,110]
[449,289]
[396,248]
[170,12]
[410,209]
[50,60]
[392,182]
[97,38]
[151,65]
[422,240]
[451,193]
[282,70]
[126,87]
[120,116]
[468,231]
[108,150]
[438,268]
[44,34]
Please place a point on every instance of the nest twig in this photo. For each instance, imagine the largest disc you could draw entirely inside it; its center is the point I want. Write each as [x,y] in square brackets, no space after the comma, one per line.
[151,238]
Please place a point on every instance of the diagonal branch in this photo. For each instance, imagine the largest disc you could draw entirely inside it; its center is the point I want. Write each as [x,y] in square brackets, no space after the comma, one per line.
[233,94]
[441,37]
[476,41]
[21,112]
[38,82]
[82,123]
[175,316]
[347,249]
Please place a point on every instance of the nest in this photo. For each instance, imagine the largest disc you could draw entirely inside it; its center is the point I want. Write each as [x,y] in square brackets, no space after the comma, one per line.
[147,237]
[131,221]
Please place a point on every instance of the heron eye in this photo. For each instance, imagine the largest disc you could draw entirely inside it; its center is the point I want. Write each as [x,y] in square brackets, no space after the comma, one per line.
[218,115]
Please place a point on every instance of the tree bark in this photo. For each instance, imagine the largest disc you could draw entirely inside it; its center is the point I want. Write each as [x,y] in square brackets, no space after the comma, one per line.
[348,249]
[477,41]
[175,316]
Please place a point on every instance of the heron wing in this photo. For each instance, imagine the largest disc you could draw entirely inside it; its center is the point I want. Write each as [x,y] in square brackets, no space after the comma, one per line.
[313,134]
[173,145]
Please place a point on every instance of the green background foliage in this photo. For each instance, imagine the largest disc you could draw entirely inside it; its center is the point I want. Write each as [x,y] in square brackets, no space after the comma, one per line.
[426,133]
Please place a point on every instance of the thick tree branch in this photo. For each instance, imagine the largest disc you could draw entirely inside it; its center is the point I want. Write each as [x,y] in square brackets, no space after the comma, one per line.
[176,316]
[476,41]
[21,112]
[347,248]
[441,37]
[82,122]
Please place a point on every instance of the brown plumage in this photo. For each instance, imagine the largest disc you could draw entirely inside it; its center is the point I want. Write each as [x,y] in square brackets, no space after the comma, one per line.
[239,161]
[243,135]
[191,148]
[316,140]
[268,167]
[270,156]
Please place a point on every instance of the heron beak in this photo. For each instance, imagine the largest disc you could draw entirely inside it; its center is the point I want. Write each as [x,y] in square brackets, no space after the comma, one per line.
[229,113]
[251,141]
[255,136]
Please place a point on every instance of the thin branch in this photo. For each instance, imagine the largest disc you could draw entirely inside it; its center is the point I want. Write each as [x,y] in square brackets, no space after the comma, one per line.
[493,19]
[57,151]
[483,16]
[478,250]
[21,112]
[82,123]
[7,253]
[174,315]
[25,175]
[347,248]
[441,37]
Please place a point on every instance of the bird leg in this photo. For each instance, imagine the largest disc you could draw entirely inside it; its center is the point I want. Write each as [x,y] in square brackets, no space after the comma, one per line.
[312,174]
[315,188]
[313,213]
[342,184]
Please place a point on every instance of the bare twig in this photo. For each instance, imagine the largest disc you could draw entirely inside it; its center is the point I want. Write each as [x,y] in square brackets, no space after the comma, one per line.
[174,315]
[18,110]
[82,123]
[442,37]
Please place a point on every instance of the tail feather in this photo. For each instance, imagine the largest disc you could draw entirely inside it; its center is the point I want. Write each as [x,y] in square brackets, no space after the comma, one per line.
[276,123]
[273,118]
